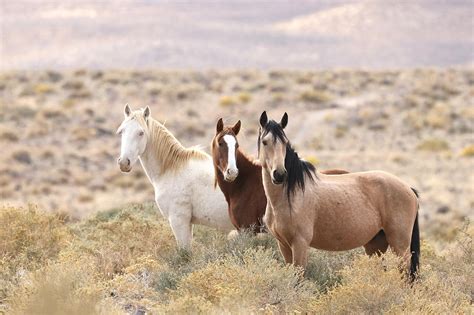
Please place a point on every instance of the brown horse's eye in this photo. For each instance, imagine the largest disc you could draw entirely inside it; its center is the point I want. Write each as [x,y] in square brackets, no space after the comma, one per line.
[221,144]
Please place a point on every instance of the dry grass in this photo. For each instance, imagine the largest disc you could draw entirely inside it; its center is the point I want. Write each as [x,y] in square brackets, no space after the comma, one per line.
[468,151]
[433,145]
[125,261]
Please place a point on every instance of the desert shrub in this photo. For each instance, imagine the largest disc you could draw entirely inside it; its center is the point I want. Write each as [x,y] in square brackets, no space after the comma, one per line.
[375,285]
[438,116]
[28,239]
[227,100]
[61,288]
[43,88]
[117,243]
[324,267]
[468,151]
[248,282]
[73,85]
[244,97]
[315,96]
[371,285]
[8,135]
[433,144]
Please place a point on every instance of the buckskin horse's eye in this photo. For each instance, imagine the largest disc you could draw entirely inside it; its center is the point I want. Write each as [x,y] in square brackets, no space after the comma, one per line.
[264,142]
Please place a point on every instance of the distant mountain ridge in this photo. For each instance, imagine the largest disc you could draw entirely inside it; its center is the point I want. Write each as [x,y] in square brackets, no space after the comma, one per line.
[235,34]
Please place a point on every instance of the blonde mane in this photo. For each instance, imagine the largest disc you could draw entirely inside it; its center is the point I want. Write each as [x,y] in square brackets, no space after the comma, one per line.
[169,152]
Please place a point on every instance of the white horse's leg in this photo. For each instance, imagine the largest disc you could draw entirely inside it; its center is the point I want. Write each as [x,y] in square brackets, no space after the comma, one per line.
[182,230]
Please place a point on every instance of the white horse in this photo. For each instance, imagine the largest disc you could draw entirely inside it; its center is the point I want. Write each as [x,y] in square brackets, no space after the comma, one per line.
[183,178]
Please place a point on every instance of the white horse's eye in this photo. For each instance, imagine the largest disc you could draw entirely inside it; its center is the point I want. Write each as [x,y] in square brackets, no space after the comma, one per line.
[141,133]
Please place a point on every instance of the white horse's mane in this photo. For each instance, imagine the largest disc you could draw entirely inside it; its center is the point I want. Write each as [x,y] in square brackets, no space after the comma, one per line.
[166,148]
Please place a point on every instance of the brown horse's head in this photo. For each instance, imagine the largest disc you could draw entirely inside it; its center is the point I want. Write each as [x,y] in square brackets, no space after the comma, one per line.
[224,150]
[272,143]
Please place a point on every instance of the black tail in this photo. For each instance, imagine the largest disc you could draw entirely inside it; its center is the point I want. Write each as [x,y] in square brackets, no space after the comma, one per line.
[415,250]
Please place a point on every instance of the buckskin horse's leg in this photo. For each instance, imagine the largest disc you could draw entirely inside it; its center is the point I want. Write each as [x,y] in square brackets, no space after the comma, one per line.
[300,252]
[286,252]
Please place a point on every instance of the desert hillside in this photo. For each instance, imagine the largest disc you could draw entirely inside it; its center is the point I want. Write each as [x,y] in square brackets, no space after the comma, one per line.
[60,148]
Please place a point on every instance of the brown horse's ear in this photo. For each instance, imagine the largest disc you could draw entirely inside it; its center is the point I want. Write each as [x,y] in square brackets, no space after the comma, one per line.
[127,111]
[284,121]
[263,119]
[236,128]
[219,126]
[146,113]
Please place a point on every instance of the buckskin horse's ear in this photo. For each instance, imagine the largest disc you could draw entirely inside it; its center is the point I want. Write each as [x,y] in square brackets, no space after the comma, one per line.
[284,121]
[146,113]
[236,127]
[263,119]
[127,111]
[219,126]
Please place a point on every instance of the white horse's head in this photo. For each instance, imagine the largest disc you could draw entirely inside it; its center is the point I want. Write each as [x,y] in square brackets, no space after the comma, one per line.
[134,134]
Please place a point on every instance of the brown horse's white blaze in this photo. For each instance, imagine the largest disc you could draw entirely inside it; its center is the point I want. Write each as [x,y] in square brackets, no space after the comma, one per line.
[333,212]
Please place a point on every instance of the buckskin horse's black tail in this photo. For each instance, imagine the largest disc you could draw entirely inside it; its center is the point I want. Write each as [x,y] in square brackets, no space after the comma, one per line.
[415,246]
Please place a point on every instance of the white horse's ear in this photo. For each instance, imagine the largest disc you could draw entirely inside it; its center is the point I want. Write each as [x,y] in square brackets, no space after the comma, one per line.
[127,111]
[146,113]
[284,121]
[219,126]
[236,128]
[263,119]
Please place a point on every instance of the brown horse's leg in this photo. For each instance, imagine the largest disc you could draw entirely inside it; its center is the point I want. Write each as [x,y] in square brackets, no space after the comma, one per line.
[378,245]
[300,252]
[286,252]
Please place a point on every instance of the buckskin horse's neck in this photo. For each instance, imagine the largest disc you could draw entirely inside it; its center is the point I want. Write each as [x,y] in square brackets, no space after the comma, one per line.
[276,194]
[248,173]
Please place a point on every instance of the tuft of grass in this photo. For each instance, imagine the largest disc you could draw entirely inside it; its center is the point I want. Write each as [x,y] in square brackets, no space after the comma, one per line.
[8,135]
[315,96]
[468,151]
[43,88]
[244,97]
[433,145]
[227,100]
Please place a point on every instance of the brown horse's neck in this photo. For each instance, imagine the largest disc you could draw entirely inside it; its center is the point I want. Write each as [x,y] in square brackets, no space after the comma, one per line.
[249,171]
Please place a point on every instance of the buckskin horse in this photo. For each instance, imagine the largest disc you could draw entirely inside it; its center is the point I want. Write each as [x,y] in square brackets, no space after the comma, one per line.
[306,208]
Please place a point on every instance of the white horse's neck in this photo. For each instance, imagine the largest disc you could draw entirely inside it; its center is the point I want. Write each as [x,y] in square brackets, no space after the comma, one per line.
[150,166]
[163,152]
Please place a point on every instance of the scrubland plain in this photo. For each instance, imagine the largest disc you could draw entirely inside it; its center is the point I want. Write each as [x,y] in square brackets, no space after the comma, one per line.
[78,236]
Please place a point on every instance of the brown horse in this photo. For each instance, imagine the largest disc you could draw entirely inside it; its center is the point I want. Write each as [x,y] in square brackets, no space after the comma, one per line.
[240,179]
[340,212]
